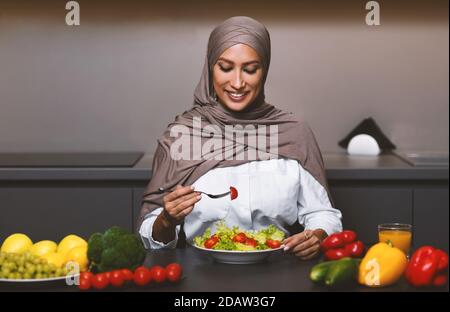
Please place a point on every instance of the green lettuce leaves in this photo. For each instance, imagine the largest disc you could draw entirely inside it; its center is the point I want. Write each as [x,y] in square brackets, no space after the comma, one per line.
[226,234]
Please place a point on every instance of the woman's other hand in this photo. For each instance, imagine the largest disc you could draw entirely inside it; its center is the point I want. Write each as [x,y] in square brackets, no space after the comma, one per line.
[305,245]
[179,203]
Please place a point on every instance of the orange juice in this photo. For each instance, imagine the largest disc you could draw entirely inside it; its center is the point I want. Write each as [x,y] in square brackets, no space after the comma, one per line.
[400,239]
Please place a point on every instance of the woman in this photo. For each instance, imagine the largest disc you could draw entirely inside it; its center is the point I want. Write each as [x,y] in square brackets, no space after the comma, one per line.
[286,187]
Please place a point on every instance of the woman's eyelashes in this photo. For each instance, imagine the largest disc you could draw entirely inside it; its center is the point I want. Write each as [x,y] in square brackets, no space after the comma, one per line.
[249,70]
[225,69]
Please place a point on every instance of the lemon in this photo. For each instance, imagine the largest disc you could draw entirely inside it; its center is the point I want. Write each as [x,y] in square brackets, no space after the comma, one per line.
[69,242]
[54,258]
[16,243]
[78,255]
[43,247]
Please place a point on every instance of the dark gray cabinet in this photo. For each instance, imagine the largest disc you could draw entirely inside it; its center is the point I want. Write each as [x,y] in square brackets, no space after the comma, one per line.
[138,191]
[49,203]
[51,211]
[364,207]
[431,220]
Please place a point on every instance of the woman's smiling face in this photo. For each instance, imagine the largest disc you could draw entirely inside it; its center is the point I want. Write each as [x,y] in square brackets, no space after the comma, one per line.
[237,77]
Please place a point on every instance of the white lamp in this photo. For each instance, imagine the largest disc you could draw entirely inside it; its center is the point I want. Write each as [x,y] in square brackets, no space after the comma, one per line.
[363,144]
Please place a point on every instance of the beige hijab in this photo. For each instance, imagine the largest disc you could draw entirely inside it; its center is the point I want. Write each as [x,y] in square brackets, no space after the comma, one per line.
[295,138]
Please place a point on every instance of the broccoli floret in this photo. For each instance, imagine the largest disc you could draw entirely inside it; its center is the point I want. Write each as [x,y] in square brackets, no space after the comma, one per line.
[111,259]
[132,251]
[95,247]
[119,250]
[111,235]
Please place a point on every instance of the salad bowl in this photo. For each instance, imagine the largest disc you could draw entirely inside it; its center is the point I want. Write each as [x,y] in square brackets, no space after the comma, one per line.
[238,256]
[237,246]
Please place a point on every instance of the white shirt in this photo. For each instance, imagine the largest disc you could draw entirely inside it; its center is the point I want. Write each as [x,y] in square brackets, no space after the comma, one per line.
[276,191]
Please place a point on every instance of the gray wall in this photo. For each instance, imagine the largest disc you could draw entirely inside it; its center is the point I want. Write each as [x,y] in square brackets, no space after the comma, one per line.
[114,82]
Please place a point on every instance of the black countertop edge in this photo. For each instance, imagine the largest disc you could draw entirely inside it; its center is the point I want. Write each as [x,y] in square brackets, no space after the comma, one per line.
[74,174]
[435,174]
[338,167]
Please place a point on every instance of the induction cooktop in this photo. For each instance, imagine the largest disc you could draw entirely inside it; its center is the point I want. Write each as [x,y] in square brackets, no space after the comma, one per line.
[95,159]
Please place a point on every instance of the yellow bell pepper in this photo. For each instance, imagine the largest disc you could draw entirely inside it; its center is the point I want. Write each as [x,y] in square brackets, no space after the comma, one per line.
[383,265]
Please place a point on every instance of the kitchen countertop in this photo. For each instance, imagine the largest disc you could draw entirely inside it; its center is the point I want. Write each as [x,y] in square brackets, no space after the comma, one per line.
[339,166]
[281,273]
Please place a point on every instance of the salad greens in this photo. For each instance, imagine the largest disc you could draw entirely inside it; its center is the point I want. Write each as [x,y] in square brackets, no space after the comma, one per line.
[235,238]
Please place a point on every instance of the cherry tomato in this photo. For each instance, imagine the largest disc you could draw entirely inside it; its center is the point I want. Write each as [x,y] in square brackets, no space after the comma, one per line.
[127,275]
[174,267]
[173,271]
[251,242]
[336,254]
[142,276]
[233,193]
[100,281]
[158,274]
[273,243]
[85,283]
[108,275]
[348,236]
[210,243]
[173,276]
[86,275]
[240,238]
[354,249]
[117,279]
[332,241]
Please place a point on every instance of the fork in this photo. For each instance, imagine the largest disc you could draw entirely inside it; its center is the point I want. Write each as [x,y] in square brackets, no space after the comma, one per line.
[161,190]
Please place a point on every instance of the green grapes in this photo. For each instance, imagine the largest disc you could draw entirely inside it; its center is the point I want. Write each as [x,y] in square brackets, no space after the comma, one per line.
[27,266]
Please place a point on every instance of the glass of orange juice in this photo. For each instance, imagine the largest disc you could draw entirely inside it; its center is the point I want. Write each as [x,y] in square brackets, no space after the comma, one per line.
[399,234]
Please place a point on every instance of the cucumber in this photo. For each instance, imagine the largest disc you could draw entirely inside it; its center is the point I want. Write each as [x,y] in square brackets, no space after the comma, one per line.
[319,271]
[342,271]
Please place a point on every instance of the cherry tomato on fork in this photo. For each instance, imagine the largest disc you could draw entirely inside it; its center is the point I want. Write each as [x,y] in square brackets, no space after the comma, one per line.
[233,193]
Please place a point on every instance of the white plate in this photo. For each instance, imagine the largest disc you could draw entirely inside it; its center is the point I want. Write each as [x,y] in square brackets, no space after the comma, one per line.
[34,280]
[237,256]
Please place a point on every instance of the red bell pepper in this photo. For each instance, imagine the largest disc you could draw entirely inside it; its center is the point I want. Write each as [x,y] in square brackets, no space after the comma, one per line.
[340,245]
[333,241]
[348,236]
[336,254]
[354,249]
[427,267]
